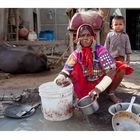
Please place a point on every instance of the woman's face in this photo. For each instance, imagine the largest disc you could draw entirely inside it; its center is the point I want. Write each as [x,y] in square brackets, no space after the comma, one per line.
[86,38]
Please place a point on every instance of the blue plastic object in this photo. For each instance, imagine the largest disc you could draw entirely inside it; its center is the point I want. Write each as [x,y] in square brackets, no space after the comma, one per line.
[46,35]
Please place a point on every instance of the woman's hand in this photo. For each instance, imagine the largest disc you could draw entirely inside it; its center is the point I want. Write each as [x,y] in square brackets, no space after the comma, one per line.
[61,80]
[94,94]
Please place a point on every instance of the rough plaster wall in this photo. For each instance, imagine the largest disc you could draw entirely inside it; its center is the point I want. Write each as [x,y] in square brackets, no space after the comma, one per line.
[27,16]
[61,23]
[54,19]
[47,19]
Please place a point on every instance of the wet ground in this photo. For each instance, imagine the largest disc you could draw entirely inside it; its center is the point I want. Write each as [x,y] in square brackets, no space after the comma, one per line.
[99,121]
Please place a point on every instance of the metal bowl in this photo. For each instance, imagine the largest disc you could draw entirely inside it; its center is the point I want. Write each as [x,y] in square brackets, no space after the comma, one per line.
[123,107]
[87,106]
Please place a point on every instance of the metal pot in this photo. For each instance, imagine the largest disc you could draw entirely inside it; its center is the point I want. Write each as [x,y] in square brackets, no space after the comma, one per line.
[122,107]
[87,106]
[126,120]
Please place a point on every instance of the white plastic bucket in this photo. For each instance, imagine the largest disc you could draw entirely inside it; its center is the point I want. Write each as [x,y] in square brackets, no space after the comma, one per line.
[57,101]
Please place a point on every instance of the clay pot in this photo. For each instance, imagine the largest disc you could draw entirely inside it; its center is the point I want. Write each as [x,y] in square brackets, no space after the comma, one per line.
[23,32]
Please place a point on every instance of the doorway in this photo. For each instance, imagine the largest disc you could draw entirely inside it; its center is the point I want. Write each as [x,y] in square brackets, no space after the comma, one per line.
[35,22]
[133,27]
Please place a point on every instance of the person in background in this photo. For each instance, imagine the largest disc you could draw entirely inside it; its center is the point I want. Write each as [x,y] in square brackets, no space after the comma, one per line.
[117,41]
[91,68]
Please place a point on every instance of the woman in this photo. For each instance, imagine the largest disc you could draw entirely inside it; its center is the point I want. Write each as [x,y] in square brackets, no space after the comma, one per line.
[91,68]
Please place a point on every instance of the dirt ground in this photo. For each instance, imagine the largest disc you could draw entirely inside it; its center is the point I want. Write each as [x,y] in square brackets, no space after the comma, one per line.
[15,84]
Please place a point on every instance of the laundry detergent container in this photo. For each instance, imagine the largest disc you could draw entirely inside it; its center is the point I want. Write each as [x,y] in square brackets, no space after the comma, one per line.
[57,101]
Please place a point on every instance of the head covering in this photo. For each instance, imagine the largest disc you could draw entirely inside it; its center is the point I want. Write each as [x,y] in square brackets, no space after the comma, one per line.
[87,55]
[83,27]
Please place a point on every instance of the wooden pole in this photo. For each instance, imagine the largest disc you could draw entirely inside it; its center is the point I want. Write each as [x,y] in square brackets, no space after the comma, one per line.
[17,23]
[6,13]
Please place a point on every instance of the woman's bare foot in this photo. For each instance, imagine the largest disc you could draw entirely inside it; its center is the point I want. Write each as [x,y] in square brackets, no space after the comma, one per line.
[114,98]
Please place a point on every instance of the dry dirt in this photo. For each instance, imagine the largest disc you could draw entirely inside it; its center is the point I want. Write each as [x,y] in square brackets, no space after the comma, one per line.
[22,81]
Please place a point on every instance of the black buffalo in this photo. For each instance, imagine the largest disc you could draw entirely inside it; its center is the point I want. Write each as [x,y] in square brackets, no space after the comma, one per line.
[22,59]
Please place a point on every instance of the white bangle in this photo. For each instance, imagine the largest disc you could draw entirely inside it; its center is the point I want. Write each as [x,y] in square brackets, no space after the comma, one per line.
[105,82]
